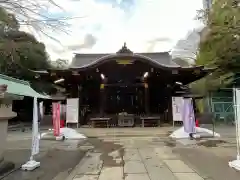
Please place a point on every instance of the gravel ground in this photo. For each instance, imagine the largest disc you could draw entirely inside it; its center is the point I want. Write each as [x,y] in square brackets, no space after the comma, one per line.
[208,163]
[55,156]
[53,162]
[210,157]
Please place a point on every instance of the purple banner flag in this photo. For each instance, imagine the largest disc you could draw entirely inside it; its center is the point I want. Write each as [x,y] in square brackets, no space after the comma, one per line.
[188,116]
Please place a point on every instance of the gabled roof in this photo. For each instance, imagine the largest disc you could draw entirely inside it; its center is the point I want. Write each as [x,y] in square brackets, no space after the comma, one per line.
[19,87]
[87,60]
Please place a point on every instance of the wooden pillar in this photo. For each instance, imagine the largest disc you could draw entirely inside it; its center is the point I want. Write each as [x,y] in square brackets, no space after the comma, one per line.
[102,96]
[81,114]
[102,99]
[169,91]
[74,91]
[80,94]
[146,98]
[170,110]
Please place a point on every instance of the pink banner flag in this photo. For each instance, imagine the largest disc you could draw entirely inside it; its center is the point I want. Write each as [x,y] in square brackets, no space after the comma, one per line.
[56,119]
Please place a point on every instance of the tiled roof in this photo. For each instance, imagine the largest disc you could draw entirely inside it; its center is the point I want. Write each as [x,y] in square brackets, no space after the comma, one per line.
[84,60]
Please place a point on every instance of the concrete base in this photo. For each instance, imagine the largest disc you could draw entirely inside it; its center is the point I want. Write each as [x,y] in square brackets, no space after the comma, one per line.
[3,136]
[5,114]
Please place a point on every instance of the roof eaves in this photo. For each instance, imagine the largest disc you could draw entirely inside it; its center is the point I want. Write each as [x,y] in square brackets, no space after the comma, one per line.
[8,78]
[10,81]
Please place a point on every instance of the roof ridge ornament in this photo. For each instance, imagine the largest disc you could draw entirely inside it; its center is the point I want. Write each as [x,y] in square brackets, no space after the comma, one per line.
[124,50]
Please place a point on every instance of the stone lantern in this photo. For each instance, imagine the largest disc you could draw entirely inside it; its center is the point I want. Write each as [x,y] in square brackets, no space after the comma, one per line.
[6,113]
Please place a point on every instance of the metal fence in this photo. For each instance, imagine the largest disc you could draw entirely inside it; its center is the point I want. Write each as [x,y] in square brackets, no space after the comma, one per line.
[223,110]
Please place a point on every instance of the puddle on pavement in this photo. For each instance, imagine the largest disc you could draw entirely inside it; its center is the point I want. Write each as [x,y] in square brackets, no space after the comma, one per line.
[164,141]
[108,148]
[211,143]
[170,143]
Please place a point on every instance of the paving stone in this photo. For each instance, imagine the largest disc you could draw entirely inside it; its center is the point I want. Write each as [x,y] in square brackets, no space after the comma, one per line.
[112,173]
[92,164]
[131,155]
[147,153]
[62,175]
[161,174]
[86,177]
[157,170]
[178,166]
[86,148]
[134,167]
[130,149]
[151,162]
[137,177]
[186,142]
[188,176]
[165,153]
[111,140]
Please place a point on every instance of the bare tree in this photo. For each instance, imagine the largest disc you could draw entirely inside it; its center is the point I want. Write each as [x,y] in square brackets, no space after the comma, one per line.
[35,14]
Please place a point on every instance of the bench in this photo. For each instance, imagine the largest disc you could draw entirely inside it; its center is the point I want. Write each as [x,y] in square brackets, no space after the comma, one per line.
[150,120]
[98,121]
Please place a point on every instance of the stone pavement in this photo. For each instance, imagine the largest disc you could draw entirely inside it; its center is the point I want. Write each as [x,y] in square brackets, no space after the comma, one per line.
[131,158]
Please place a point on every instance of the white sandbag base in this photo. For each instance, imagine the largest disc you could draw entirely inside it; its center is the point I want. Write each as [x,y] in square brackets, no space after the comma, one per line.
[200,132]
[202,135]
[67,133]
[30,165]
[235,164]
[50,136]
[70,133]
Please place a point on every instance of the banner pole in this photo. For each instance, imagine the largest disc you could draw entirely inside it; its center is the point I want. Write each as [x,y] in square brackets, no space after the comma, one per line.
[236,110]
[32,164]
[34,129]
[237,124]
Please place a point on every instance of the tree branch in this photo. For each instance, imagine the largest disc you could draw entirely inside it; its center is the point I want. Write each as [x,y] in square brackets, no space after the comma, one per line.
[35,13]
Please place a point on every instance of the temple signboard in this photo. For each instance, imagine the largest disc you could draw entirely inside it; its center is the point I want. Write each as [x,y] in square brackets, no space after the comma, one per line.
[124,62]
[72,111]
[177,106]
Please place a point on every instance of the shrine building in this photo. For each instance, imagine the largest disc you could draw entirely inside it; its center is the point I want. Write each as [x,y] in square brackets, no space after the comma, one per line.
[140,84]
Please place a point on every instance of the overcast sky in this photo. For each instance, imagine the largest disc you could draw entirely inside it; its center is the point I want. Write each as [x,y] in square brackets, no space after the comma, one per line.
[145,25]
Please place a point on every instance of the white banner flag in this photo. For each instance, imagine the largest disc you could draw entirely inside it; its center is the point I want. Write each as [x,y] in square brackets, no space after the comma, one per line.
[41,109]
[35,134]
